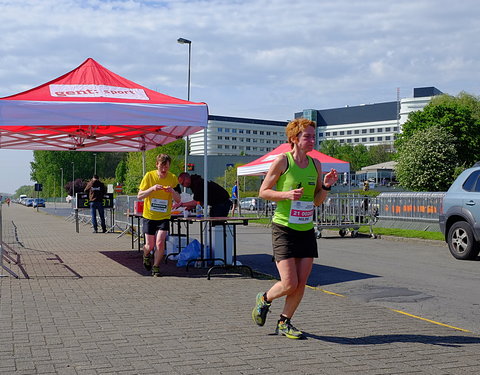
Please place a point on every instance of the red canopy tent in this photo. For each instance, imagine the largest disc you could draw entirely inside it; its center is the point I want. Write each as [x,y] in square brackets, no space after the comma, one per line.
[94,109]
[261,165]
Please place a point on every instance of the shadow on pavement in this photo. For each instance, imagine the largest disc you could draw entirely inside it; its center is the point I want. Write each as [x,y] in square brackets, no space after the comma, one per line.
[320,275]
[449,341]
[133,261]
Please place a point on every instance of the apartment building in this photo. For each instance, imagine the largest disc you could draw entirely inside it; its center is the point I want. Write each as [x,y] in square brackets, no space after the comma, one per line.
[368,124]
[238,136]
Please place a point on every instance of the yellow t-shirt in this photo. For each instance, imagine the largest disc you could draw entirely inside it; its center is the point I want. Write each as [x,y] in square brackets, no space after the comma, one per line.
[158,205]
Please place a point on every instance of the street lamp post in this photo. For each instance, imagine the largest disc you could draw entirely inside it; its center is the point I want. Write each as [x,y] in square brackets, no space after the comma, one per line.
[95,164]
[189,42]
[73,180]
[61,184]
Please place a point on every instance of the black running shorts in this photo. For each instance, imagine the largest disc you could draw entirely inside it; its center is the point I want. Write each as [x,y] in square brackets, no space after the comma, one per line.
[290,243]
[151,226]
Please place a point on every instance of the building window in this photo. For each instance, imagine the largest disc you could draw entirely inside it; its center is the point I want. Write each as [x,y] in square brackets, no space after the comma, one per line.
[262,133]
[372,139]
[380,130]
[334,133]
[234,130]
[395,128]
[327,134]
[379,139]
[248,139]
[227,138]
[219,137]
[227,130]
[388,129]
[349,140]
[364,139]
[248,131]
[240,131]
[356,131]
[227,146]
[219,146]
[219,130]
[364,131]
[372,130]
[388,138]
[320,135]
[248,148]
[349,132]
[342,140]
[342,132]
[356,140]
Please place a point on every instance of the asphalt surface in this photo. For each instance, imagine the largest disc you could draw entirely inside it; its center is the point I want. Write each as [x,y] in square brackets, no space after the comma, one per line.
[84,305]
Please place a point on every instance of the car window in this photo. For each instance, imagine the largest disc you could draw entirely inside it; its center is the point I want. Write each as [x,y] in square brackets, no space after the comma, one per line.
[472,183]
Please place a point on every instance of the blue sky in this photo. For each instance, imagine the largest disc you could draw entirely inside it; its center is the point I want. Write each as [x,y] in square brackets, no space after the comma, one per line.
[260,59]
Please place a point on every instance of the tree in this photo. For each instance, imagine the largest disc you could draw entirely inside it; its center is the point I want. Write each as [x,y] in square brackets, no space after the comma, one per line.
[457,115]
[427,160]
[47,166]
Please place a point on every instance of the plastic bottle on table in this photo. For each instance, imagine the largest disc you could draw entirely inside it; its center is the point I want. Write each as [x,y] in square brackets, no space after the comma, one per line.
[198,210]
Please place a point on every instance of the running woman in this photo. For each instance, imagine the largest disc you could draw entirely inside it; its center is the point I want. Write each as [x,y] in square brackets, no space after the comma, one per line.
[297,179]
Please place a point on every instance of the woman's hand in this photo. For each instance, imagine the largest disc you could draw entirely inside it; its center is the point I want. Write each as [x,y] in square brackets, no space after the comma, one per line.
[294,195]
[330,178]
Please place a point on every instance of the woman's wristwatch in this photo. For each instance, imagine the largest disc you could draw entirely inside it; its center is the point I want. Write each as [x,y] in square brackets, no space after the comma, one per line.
[326,188]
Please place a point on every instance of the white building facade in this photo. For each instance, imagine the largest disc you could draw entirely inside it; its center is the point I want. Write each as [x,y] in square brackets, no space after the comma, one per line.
[369,124]
[238,136]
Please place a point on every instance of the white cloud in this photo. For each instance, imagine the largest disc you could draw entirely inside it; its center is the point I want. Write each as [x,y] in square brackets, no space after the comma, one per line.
[251,58]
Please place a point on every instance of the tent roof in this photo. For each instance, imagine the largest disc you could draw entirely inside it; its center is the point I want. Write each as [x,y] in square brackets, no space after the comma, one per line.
[94,109]
[261,165]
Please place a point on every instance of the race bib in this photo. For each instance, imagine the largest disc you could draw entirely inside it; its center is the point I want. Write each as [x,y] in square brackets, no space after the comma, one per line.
[301,212]
[159,205]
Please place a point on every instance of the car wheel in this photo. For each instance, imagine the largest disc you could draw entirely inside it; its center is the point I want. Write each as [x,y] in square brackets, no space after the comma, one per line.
[461,241]
[342,232]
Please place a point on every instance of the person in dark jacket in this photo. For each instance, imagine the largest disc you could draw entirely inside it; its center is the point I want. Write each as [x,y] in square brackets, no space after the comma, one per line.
[218,198]
[96,191]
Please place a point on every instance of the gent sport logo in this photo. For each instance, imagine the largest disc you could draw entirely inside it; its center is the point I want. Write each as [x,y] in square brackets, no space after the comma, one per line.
[95,91]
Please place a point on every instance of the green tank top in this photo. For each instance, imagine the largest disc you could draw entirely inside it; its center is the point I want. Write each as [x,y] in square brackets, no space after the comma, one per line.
[297,215]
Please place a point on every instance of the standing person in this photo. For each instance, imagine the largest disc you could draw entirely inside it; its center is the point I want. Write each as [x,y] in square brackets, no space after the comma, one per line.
[299,186]
[218,197]
[96,192]
[157,191]
[236,200]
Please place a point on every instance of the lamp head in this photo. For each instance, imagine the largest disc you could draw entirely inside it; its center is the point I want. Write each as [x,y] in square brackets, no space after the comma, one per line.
[184,41]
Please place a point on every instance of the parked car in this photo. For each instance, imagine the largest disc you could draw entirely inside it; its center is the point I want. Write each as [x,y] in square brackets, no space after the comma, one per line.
[29,202]
[38,202]
[255,204]
[459,217]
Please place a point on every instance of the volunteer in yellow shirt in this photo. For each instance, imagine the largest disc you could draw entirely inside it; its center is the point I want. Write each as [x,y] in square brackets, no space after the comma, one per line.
[157,191]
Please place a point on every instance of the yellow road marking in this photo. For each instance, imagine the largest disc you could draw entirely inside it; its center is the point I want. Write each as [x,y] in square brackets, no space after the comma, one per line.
[325,291]
[430,321]
[398,311]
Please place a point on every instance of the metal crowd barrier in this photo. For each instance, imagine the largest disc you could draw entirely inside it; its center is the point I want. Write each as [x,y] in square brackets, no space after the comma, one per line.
[346,213]
[424,206]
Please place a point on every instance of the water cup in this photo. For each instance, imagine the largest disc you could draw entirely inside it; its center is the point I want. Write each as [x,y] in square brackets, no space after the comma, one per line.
[185,213]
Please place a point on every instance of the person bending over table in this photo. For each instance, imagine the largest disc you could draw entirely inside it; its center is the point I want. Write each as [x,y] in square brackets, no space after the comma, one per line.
[218,197]
[157,191]
[296,183]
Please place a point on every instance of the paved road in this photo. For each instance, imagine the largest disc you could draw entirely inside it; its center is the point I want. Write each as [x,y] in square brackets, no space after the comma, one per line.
[414,276]
[89,308]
